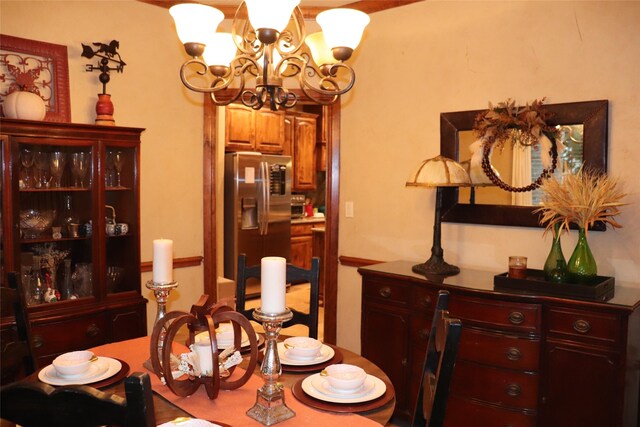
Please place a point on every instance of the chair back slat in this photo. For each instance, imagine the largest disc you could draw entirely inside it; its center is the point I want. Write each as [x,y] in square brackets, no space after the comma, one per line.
[29,403]
[16,345]
[294,274]
[438,367]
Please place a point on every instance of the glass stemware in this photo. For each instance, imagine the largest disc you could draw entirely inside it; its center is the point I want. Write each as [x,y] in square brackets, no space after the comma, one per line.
[57,161]
[79,167]
[108,178]
[42,164]
[27,158]
[118,163]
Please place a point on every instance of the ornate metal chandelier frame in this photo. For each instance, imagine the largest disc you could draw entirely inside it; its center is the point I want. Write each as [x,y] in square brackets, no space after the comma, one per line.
[258,52]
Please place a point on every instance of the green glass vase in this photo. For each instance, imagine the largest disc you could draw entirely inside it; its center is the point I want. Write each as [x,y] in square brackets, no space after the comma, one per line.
[582,266]
[555,267]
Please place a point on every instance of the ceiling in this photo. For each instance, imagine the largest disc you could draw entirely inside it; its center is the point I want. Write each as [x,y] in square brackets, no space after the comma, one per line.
[310,8]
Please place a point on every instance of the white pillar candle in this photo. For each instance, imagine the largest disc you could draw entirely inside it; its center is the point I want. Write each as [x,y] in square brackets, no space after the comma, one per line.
[205,356]
[273,284]
[162,261]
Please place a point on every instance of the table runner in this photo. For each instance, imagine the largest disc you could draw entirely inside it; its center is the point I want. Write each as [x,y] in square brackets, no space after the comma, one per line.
[231,405]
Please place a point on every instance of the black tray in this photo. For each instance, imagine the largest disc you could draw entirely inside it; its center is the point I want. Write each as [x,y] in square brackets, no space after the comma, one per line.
[601,289]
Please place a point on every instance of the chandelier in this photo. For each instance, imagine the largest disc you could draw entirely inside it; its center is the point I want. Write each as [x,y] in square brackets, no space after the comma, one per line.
[266,47]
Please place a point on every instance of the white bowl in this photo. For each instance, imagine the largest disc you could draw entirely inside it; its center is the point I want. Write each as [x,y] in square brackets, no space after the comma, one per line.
[345,377]
[73,363]
[302,347]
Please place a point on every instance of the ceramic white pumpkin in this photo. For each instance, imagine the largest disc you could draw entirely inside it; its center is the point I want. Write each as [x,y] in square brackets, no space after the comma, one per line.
[24,105]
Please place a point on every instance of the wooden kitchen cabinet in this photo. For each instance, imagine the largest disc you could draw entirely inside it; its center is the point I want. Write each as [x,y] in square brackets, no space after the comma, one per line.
[301,245]
[251,130]
[300,144]
[96,281]
[524,360]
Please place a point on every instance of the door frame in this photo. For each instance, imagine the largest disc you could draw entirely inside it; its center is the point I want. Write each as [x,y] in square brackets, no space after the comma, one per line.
[210,232]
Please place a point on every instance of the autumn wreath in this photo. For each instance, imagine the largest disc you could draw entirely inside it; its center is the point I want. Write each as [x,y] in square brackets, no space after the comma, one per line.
[526,126]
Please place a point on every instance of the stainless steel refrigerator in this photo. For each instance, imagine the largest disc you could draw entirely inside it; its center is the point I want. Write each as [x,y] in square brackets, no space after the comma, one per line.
[257,208]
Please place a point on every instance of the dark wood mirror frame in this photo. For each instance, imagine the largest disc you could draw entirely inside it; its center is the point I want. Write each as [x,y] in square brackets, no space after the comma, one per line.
[593,115]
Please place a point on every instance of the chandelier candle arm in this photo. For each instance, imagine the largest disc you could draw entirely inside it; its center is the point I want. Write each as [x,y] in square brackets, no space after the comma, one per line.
[268,44]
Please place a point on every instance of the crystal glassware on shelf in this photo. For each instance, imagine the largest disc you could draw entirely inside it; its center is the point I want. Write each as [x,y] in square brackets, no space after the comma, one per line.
[27,158]
[57,161]
[79,167]
[42,165]
[108,177]
[118,163]
[114,278]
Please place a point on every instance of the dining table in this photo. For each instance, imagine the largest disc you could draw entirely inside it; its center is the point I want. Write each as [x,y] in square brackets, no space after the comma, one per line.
[230,407]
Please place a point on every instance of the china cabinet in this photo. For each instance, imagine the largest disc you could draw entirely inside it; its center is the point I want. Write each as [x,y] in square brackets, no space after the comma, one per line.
[524,360]
[71,228]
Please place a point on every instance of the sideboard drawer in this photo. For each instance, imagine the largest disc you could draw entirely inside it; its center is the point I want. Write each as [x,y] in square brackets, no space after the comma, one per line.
[424,300]
[574,324]
[387,291]
[497,314]
[507,351]
[497,386]
[463,412]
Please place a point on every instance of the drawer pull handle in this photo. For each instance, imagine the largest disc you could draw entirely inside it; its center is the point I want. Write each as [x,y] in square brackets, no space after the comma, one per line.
[38,341]
[93,331]
[516,317]
[581,326]
[514,390]
[425,302]
[404,362]
[514,354]
[385,292]
[423,334]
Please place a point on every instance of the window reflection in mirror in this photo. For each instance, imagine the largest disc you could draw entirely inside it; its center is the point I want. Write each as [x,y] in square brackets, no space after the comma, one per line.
[518,167]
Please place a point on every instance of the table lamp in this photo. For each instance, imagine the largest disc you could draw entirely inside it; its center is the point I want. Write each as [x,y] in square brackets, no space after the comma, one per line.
[438,172]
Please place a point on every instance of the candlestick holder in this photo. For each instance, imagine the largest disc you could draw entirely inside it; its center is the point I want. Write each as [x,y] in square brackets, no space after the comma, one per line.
[270,407]
[161,291]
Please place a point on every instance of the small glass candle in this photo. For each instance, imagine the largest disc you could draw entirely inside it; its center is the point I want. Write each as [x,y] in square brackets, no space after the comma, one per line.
[518,267]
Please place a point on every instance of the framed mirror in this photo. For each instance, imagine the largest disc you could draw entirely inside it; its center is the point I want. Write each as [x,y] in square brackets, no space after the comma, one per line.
[583,130]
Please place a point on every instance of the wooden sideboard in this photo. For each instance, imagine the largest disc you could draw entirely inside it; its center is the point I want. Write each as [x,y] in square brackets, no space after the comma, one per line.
[524,360]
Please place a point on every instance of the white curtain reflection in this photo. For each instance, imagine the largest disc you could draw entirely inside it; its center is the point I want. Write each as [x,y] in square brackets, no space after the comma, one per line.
[521,174]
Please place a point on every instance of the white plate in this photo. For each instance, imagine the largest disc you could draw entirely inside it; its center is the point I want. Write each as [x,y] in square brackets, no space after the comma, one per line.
[223,345]
[326,353]
[193,422]
[106,367]
[314,386]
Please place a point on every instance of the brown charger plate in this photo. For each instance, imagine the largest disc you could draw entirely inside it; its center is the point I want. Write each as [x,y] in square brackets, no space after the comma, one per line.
[118,376]
[337,358]
[303,397]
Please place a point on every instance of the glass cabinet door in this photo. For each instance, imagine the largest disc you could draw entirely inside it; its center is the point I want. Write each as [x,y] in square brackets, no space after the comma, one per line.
[55,219]
[121,219]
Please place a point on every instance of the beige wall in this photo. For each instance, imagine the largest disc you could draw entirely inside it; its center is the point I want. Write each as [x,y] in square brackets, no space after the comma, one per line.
[149,95]
[431,57]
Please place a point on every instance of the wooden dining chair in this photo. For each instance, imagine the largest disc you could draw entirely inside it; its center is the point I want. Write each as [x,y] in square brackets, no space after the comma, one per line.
[439,362]
[30,403]
[16,347]
[294,274]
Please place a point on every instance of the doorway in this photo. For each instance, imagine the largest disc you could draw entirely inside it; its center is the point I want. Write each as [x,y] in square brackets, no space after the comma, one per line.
[330,256]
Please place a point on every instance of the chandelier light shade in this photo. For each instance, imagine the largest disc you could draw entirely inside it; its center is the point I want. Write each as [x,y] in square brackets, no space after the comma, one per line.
[436,173]
[272,15]
[194,21]
[220,50]
[320,52]
[267,45]
[342,28]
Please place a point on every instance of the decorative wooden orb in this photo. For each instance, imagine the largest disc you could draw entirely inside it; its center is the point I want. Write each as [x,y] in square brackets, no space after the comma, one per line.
[204,316]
